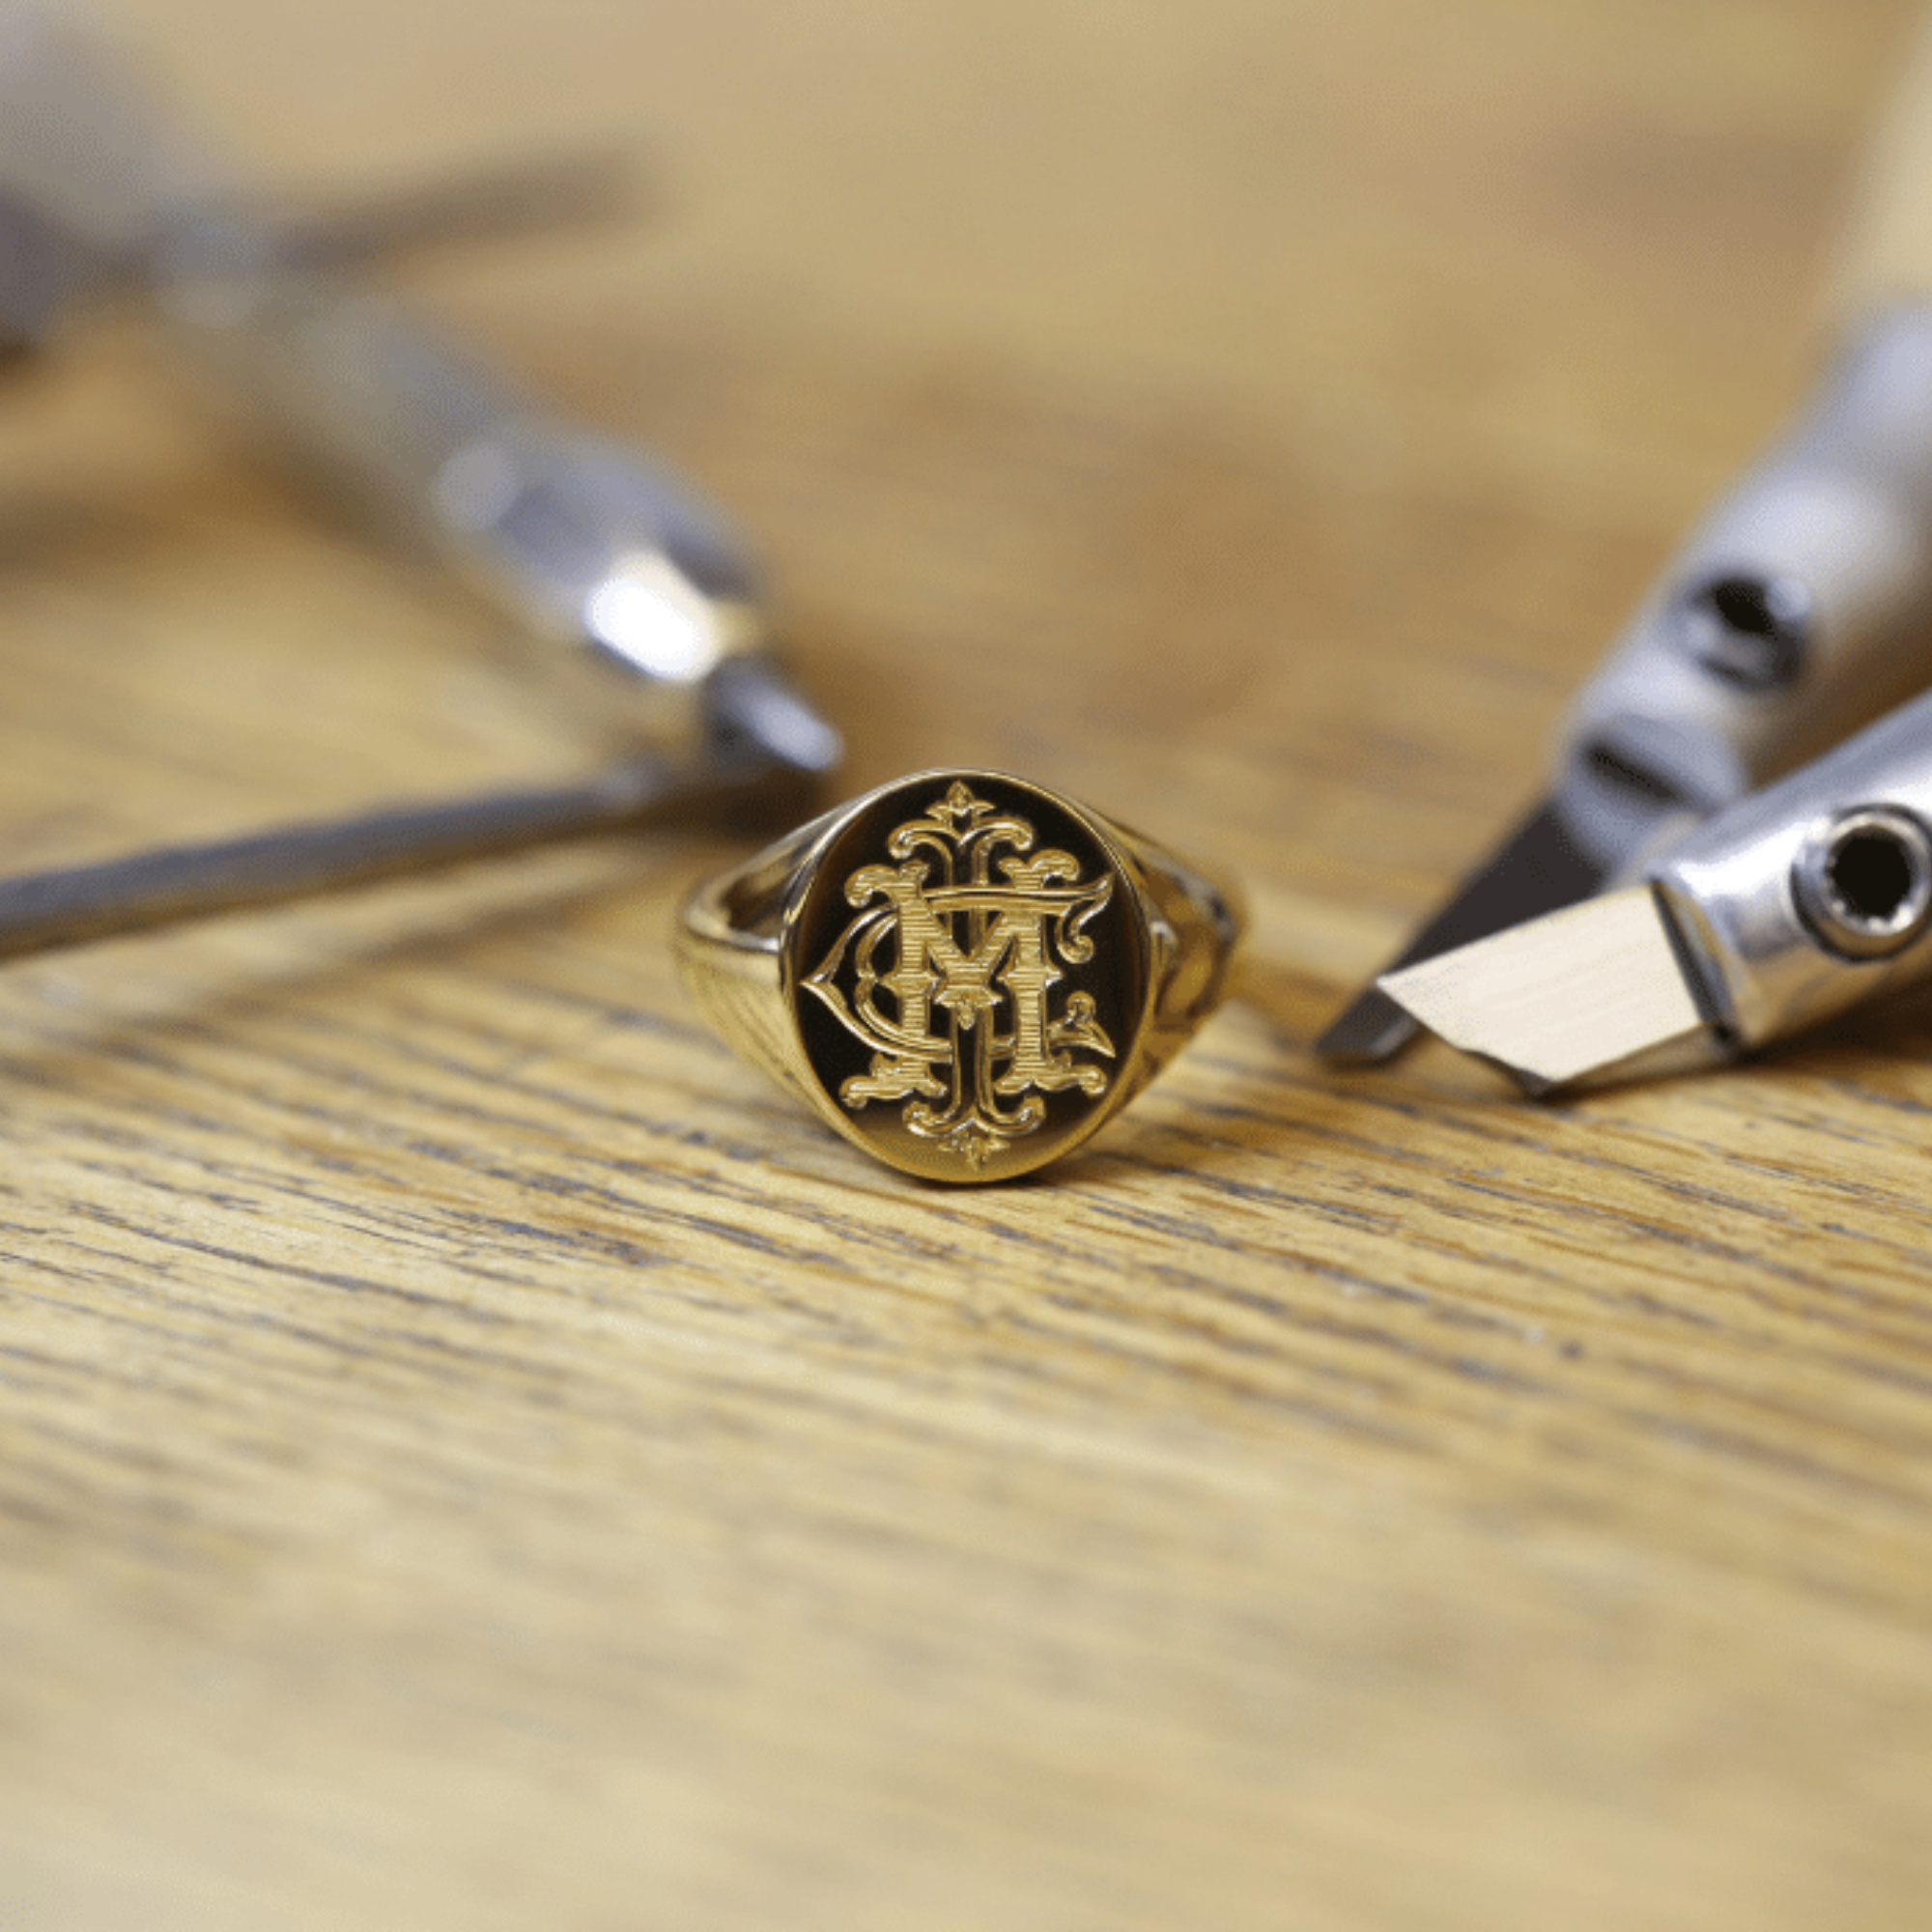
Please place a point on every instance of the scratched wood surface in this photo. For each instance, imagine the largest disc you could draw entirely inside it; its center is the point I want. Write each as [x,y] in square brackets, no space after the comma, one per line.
[473,1456]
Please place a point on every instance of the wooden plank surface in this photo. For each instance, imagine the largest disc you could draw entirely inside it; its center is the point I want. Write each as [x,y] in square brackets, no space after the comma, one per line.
[472,1454]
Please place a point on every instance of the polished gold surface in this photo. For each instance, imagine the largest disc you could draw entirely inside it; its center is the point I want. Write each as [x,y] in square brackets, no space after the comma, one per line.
[965,975]
[475,1455]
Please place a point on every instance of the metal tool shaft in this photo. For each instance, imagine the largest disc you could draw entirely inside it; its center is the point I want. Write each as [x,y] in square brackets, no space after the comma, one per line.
[66,906]
[49,275]
[469,203]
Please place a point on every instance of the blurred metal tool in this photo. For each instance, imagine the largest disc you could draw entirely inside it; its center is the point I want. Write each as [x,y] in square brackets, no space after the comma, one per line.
[466,204]
[575,536]
[48,277]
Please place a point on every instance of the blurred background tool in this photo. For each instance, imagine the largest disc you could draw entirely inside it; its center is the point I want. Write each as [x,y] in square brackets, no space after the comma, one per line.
[1801,609]
[49,277]
[577,537]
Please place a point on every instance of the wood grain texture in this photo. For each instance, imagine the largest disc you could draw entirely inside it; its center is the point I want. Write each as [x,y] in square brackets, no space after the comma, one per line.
[472,1454]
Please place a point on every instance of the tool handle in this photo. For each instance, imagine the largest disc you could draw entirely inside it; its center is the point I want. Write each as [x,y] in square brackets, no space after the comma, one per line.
[1799,610]
[1816,893]
[577,536]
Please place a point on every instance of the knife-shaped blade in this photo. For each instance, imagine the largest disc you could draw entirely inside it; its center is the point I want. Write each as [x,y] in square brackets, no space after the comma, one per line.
[1536,870]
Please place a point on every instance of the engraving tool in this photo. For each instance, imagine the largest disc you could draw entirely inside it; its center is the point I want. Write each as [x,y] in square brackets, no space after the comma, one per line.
[1805,600]
[102,196]
[50,279]
[1786,908]
[1798,612]
[577,537]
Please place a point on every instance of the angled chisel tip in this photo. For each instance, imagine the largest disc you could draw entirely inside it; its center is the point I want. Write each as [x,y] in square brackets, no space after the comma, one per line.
[1373,1028]
[1537,867]
[1599,990]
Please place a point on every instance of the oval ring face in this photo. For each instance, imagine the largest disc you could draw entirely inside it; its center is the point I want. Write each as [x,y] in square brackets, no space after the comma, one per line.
[968,971]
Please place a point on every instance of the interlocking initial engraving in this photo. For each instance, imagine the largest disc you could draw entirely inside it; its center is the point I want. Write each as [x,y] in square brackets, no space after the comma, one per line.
[987,954]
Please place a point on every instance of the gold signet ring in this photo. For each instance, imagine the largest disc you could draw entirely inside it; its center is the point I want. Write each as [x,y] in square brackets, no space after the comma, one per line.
[961,972]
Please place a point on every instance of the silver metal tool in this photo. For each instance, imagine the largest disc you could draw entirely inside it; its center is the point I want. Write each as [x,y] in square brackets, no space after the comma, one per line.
[1801,609]
[102,196]
[1780,911]
[47,277]
[172,883]
[574,535]
[469,203]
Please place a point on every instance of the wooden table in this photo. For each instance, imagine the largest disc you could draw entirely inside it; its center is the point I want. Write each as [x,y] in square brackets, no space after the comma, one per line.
[473,1455]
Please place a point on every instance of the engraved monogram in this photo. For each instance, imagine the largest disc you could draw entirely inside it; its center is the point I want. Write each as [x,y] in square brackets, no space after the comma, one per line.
[977,958]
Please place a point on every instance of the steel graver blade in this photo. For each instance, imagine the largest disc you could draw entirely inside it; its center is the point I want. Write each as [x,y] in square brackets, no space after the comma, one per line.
[1536,870]
[1600,990]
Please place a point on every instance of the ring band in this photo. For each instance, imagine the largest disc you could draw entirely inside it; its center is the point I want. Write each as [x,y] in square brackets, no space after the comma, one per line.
[962,972]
